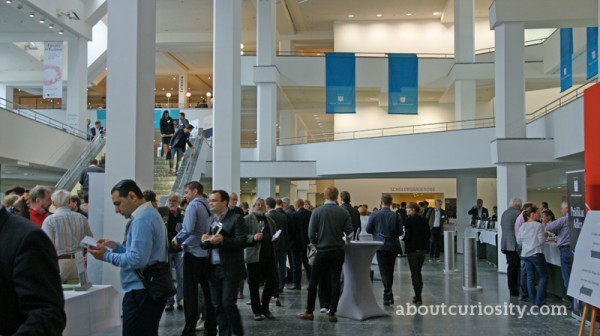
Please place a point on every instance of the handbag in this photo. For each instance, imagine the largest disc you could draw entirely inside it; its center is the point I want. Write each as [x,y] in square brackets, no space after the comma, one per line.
[311,254]
[157,280]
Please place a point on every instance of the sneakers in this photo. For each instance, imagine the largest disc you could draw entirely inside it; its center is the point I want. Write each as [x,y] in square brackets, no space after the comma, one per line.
[269,315]
[169,308]
[258,317]
[306,316]
[430,260]
[324,310]
[249,302]
[200,326]
[438,260]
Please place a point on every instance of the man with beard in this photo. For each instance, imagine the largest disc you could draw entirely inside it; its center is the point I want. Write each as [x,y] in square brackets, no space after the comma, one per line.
[39,203]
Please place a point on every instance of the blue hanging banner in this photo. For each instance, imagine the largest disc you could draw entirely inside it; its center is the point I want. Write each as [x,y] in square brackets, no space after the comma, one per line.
[403,83]
[592,52]
[340,82]
[566,58]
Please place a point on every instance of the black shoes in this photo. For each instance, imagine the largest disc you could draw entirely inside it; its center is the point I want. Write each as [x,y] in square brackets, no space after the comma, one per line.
[417,300]
[169,308]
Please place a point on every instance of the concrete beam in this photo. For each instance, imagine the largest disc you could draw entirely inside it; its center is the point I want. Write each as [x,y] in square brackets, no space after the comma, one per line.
[545,13]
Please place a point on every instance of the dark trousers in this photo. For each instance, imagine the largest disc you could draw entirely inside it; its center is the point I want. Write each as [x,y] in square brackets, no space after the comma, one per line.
[415,263]
[435,244]
[195,271]
[141,315]
[324,291]
[300,259]
[223,293]
[280,266]
[263,270]
[566,264]
[326,262]
[386,261]
[512,271]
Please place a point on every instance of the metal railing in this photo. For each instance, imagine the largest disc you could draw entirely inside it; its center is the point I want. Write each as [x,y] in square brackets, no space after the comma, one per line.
[390,131]
[33,115]
[187,168]
[563,100]
[71,177]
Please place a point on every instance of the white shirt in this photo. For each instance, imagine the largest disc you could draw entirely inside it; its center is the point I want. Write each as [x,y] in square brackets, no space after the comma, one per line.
[532,238]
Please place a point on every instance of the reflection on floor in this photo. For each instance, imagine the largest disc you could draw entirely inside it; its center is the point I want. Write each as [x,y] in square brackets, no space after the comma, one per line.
[438,288]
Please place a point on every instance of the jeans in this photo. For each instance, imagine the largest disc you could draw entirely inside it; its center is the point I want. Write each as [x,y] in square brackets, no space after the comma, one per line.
[263,270]
[176,261]
[386,261]
[566,263]
[195,271]
[141,314]
[523,290]
[223,293]
[534,263]
[512,271]
[280,266]
[326,262]
[435,243]
[179,152]
[415,263]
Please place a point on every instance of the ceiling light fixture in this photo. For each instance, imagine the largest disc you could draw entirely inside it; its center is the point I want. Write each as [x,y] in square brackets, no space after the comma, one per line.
[379,15]
[8,1]
[31,14]
[51,26]
[436,13]
[42,20]
[350,15]
[408,14]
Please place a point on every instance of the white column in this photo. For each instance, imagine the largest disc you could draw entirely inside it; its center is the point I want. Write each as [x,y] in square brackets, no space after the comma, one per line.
[465,91]
[510,81]
[77,83]
[227,24]
[129,140]
[510,114]
[183,89]
[7,93]
[285,188]
[466,191]
[266,90]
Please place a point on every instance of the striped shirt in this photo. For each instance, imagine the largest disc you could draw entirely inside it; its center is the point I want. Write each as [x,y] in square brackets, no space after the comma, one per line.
[66,229]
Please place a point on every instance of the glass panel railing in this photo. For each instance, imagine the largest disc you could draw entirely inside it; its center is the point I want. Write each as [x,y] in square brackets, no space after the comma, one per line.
[31,114]
[71,177]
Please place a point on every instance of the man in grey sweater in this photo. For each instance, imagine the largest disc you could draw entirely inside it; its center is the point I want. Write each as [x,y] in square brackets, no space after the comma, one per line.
[508,244]
[328,226]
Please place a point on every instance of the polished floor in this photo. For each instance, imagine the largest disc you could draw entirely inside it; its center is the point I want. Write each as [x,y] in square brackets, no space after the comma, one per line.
[438,288]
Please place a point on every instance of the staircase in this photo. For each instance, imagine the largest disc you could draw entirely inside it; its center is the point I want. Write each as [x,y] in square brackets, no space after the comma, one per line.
[163,179]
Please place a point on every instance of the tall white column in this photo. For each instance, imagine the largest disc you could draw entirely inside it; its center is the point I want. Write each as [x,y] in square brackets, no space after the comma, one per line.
[130,96]
[510,114]
[183,89]
[465,91]
[7,93]
[266,89]
[466,191]
[227,24]
[77,83]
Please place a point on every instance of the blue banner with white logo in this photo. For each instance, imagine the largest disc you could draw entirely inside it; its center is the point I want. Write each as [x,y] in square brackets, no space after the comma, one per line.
[592,52]
[566,58]
[403,83]
[340,83]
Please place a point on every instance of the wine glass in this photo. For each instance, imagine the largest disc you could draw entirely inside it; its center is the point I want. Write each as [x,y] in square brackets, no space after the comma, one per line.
[261,226]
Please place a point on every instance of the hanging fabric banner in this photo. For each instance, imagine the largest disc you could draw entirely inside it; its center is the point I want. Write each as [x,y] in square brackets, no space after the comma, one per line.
[566,58]
[403,83]
[592,52]
[53,76]
[340,82]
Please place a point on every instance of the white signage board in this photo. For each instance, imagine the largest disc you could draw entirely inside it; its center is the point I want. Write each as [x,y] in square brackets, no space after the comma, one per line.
[584,283]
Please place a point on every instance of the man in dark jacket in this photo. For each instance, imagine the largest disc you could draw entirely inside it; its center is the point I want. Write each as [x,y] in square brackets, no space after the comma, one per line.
[416,239]
[177,145]
[226,267]
[354,215]
[301,218]
[31,296]
[281,244]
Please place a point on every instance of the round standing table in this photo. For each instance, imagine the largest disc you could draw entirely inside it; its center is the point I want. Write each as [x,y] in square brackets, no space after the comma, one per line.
[358,301]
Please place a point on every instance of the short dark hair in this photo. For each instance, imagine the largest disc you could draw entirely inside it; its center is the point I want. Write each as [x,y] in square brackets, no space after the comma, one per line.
[182,114]
[94,162]
[413,206]
[279,202]
[403,204]
[545,204]
[38,192]
[224,195]
[345,196]
[270,202]
[15,189]
[75,199]
[149,195]
[97,122]
[386,199]
[245,205]
[194,185]
[190,127]
[124,187]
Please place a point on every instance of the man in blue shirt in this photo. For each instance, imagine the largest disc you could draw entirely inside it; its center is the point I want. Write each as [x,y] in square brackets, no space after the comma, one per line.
[145,244]
[195,259]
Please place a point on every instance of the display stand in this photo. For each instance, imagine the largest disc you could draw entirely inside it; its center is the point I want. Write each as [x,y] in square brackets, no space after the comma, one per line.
[595,310]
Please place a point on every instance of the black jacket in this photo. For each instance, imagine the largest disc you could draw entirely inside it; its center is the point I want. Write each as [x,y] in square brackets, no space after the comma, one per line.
[31,297]
[301,219]
[416,234]
[231,251]
[179,139]
[166,126]
[354,216]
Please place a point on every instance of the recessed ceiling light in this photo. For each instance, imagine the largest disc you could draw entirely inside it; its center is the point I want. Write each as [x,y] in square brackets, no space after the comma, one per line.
[31,14]
[42,20]
[350,15]
[174,78]
[379,15]
[436,13]
[408,14]
[51,26]
[8,1]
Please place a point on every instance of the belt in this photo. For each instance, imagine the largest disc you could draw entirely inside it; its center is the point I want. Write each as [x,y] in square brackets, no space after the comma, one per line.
[569,246]
[67,256]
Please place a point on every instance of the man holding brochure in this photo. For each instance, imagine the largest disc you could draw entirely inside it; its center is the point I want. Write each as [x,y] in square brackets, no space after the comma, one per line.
[145,244]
